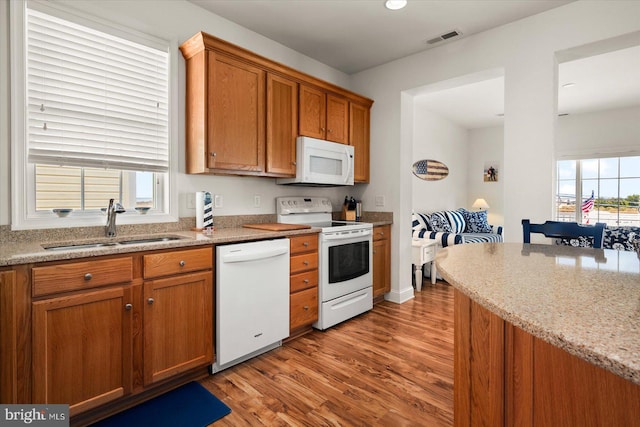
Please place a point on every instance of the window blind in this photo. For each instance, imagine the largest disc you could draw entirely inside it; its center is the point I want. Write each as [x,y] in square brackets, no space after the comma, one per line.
[94,100]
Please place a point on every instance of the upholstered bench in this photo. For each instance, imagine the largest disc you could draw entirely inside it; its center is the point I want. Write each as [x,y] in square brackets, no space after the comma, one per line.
[455,227]
[615,237]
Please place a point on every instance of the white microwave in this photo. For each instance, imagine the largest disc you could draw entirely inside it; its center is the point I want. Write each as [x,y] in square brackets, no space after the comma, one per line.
[321,163]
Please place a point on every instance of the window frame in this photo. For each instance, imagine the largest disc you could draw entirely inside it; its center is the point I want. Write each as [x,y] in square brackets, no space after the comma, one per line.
[23,213]
[578,178]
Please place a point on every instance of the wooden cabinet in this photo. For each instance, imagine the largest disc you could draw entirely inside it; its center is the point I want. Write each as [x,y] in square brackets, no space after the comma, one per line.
[8,337]
[235,115]
[282,125]
[107,329]
[381,261]
[504,376]
[82,342]
[359,137]
[243,112]
[323,115]
[303,283]
[178,325]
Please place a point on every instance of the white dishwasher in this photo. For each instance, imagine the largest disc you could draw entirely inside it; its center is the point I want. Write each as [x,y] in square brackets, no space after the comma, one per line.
[252,300]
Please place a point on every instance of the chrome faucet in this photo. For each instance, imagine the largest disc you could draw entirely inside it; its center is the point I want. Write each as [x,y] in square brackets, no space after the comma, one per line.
[112,210]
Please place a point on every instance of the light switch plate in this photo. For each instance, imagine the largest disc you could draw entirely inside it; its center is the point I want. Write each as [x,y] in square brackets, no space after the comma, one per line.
[191,201]
[217,201]
[379,200]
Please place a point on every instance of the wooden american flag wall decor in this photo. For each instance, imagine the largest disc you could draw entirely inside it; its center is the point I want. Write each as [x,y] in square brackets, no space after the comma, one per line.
[430,170]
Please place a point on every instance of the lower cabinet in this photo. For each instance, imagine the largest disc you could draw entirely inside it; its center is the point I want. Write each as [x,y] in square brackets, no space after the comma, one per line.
[381,261]
[178,325]
[120,330]
[82,348]
[303,299]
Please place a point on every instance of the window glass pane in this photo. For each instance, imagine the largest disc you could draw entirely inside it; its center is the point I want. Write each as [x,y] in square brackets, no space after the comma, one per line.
[589,168]
[566,200]
[629,167]
[58,187]
[630,201]
[609,168]
[144,189]
[567,169]
[100,185]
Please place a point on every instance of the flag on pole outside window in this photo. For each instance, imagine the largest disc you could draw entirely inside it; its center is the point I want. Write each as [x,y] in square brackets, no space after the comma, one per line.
[587,206]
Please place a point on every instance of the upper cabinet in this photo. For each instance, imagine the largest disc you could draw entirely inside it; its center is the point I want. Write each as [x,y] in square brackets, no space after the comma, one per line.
[244,112]
[323,115]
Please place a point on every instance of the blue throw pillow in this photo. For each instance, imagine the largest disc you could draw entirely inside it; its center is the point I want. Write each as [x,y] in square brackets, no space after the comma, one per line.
[456,220]
[440,223]
[476,222]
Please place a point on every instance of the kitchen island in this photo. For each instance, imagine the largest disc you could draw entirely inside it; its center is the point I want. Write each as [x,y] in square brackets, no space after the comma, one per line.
[544,334]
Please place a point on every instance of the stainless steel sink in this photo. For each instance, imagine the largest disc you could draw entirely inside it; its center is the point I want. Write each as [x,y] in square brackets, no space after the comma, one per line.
[149,240]
[80,246]
[85,246]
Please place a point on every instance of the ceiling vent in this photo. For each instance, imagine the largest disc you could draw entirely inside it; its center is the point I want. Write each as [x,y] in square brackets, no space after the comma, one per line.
[445,36]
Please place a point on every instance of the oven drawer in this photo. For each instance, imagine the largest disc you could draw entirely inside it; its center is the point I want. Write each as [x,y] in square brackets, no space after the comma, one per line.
[304,243]
[304,280]
[304,308]
[304,262]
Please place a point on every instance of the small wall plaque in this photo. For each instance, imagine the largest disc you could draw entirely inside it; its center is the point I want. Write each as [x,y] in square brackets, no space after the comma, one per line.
[430,170]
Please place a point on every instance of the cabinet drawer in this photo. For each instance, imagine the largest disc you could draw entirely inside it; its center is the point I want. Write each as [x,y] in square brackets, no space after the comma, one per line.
[381,232]
[81,275]
[429,253]
[304,262]
[304,243]
[166,263]
[304,280]
[304,308]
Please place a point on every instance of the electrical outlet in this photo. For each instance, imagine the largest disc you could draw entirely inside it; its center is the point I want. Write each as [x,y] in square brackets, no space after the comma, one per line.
[379,200]
[217,201]
[191,201]
[256,201]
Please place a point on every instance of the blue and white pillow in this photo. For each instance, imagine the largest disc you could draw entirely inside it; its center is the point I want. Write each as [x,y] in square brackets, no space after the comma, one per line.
[456,220]
[419,222]
[476,222]
[440,223]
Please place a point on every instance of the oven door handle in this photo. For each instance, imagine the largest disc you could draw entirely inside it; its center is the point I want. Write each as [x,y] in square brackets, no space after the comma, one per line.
[345,236]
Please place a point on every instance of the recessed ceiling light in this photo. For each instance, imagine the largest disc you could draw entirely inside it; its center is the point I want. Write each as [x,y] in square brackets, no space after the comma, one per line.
[395,4]
[568,85]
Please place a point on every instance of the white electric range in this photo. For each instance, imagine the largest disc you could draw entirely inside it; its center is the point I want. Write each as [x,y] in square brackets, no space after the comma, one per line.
[345,258]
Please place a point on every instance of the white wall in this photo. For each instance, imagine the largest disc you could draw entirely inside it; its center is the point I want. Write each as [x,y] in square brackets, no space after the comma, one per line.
[525,49]
[486,145]
[612,132]
[437,138]
[177,21]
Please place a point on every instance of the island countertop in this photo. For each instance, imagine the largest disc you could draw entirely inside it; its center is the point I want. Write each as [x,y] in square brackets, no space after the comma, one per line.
[585,301]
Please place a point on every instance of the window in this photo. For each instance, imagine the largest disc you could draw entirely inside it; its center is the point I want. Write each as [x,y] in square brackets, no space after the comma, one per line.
[608,189]
[96,122]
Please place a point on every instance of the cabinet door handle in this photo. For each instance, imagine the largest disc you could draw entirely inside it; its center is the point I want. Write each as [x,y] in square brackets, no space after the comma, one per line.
[212,154]
[306,280]
[374,251]
[182,263]
[150,301]
[88,276]
[306,307]
[128,307]
[305,244]
[329,130]
[294,163]
[322,129]
[305,262]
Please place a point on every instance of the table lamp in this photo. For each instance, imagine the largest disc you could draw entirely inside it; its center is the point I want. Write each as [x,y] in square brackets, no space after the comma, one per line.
[480,204]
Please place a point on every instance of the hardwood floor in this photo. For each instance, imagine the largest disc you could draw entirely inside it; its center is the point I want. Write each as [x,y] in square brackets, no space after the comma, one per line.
[392,366]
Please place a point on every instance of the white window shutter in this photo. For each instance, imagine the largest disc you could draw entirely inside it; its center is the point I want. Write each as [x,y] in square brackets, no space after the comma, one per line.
[95,100]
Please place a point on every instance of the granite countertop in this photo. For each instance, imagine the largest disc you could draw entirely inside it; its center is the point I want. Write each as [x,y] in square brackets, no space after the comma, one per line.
[29,252]
[585,301]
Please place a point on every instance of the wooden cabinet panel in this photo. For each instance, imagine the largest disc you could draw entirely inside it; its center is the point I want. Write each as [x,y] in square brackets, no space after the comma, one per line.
[381,260]
[304,280]
[304,243]
[304,308]
[313,112]
[82,348]
[175,262]
[8,337]
[282,125]
[337,119]
[359,126]
[81,275]
[178,325]
[236,115]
